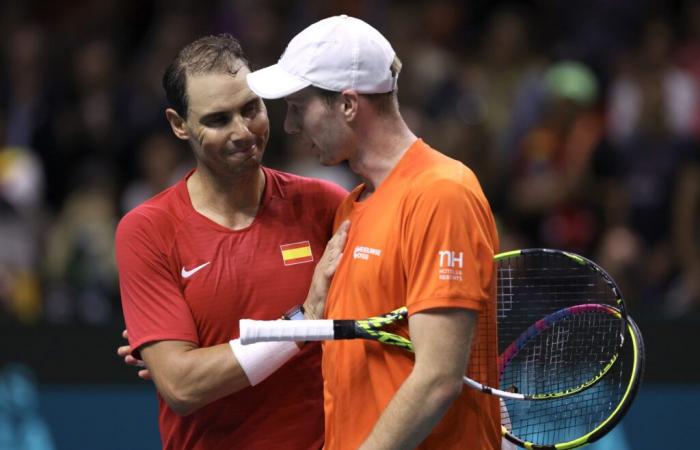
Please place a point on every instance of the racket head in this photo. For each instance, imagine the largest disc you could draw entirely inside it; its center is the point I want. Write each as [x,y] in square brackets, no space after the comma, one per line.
[573,421]
[561,322]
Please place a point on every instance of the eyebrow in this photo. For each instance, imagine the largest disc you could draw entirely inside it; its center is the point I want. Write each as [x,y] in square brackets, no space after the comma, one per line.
[252,98]
[213,114]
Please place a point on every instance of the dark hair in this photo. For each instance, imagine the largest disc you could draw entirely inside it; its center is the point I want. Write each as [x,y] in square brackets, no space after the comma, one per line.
[221,53]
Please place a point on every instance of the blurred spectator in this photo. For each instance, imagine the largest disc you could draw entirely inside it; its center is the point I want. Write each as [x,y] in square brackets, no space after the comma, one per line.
[256,24]
[684,294]
[651,110]
[24,85]
[687,54]
[502,96]
[79,261]
[650,73]
[21,190]
[161,163]
[505,62]
[144,100]
[548,195]
[87,116]
[593,30]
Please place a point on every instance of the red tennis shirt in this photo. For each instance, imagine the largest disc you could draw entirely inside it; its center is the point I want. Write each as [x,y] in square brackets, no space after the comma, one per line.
[184,277]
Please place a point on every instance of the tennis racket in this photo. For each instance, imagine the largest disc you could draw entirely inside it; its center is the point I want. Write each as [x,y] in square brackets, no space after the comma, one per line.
[561,331]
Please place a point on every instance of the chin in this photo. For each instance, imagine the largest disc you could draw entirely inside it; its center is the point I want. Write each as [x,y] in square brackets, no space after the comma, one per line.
[328,160]
[248,165]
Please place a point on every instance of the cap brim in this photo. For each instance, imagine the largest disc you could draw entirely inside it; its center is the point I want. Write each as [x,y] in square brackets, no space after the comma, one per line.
[273,82]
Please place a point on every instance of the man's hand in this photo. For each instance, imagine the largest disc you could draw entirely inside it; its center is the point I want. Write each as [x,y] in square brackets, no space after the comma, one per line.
[125,352]
[323,273]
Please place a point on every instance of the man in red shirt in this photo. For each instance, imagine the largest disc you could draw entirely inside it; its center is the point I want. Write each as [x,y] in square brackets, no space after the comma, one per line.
[232,239]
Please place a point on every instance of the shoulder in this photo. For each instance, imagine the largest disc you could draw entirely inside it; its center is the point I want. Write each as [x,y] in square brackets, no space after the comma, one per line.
[160,215]
[447,191]
[424,168]
[444,177]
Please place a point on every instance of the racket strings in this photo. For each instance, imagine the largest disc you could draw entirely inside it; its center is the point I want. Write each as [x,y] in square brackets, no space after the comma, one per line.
[569,354]
[505,291]
[566,419]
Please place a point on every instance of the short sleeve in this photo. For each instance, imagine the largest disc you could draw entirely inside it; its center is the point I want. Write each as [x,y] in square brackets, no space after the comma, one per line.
[451,240]
[153,306]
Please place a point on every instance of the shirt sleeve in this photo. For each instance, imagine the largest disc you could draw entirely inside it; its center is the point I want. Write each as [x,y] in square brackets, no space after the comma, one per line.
[451,240]
[153,306]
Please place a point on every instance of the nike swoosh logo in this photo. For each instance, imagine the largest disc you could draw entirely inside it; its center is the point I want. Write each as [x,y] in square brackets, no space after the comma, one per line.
[188,273]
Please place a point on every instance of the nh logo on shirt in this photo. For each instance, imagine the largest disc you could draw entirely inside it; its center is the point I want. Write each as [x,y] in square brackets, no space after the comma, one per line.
[451,264]
[451,259]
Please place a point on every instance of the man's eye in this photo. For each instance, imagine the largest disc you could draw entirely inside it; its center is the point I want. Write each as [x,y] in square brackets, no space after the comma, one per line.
[251,109]
[216,121]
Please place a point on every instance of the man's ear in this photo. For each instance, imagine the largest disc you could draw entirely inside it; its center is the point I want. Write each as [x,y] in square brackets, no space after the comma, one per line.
[177,124]
[349,104]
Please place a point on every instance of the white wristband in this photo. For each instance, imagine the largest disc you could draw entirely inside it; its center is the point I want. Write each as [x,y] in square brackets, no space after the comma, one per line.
[259,360]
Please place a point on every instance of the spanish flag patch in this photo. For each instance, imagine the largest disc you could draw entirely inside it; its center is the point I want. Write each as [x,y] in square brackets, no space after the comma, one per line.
[297,253]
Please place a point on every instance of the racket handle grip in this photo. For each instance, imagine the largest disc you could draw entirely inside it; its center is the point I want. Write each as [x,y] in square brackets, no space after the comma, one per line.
[285,330]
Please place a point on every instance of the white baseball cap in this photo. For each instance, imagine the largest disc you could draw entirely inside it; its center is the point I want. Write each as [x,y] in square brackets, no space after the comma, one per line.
[335,54]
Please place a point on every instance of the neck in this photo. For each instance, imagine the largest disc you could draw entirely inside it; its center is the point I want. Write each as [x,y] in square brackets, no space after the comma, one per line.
[232,202]
[380,149]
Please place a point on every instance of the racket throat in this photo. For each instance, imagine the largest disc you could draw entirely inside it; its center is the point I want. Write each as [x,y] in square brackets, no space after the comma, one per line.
[344,329]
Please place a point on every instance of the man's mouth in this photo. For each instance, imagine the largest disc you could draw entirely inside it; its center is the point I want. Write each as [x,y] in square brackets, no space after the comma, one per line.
[245,150]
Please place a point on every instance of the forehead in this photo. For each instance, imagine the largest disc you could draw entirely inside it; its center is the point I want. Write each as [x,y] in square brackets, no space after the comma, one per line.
[218,91]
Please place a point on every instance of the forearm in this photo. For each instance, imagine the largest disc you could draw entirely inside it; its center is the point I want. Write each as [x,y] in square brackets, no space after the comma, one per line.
[414,411]
[315,302]
[194,377]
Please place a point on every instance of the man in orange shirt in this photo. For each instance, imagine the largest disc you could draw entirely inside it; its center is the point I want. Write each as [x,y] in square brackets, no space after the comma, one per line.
[422,235]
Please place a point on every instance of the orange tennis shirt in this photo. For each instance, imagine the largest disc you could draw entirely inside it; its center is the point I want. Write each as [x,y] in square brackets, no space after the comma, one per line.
[425,239]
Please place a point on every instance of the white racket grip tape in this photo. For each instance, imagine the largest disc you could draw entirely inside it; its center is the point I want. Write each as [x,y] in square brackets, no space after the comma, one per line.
[260,360]
[285,330]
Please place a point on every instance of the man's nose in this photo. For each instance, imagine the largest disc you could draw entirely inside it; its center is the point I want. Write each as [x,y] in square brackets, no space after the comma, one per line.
[291,125]
[240,133]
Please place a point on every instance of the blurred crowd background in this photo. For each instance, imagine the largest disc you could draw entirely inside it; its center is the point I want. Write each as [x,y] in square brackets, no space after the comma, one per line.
[580,117]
